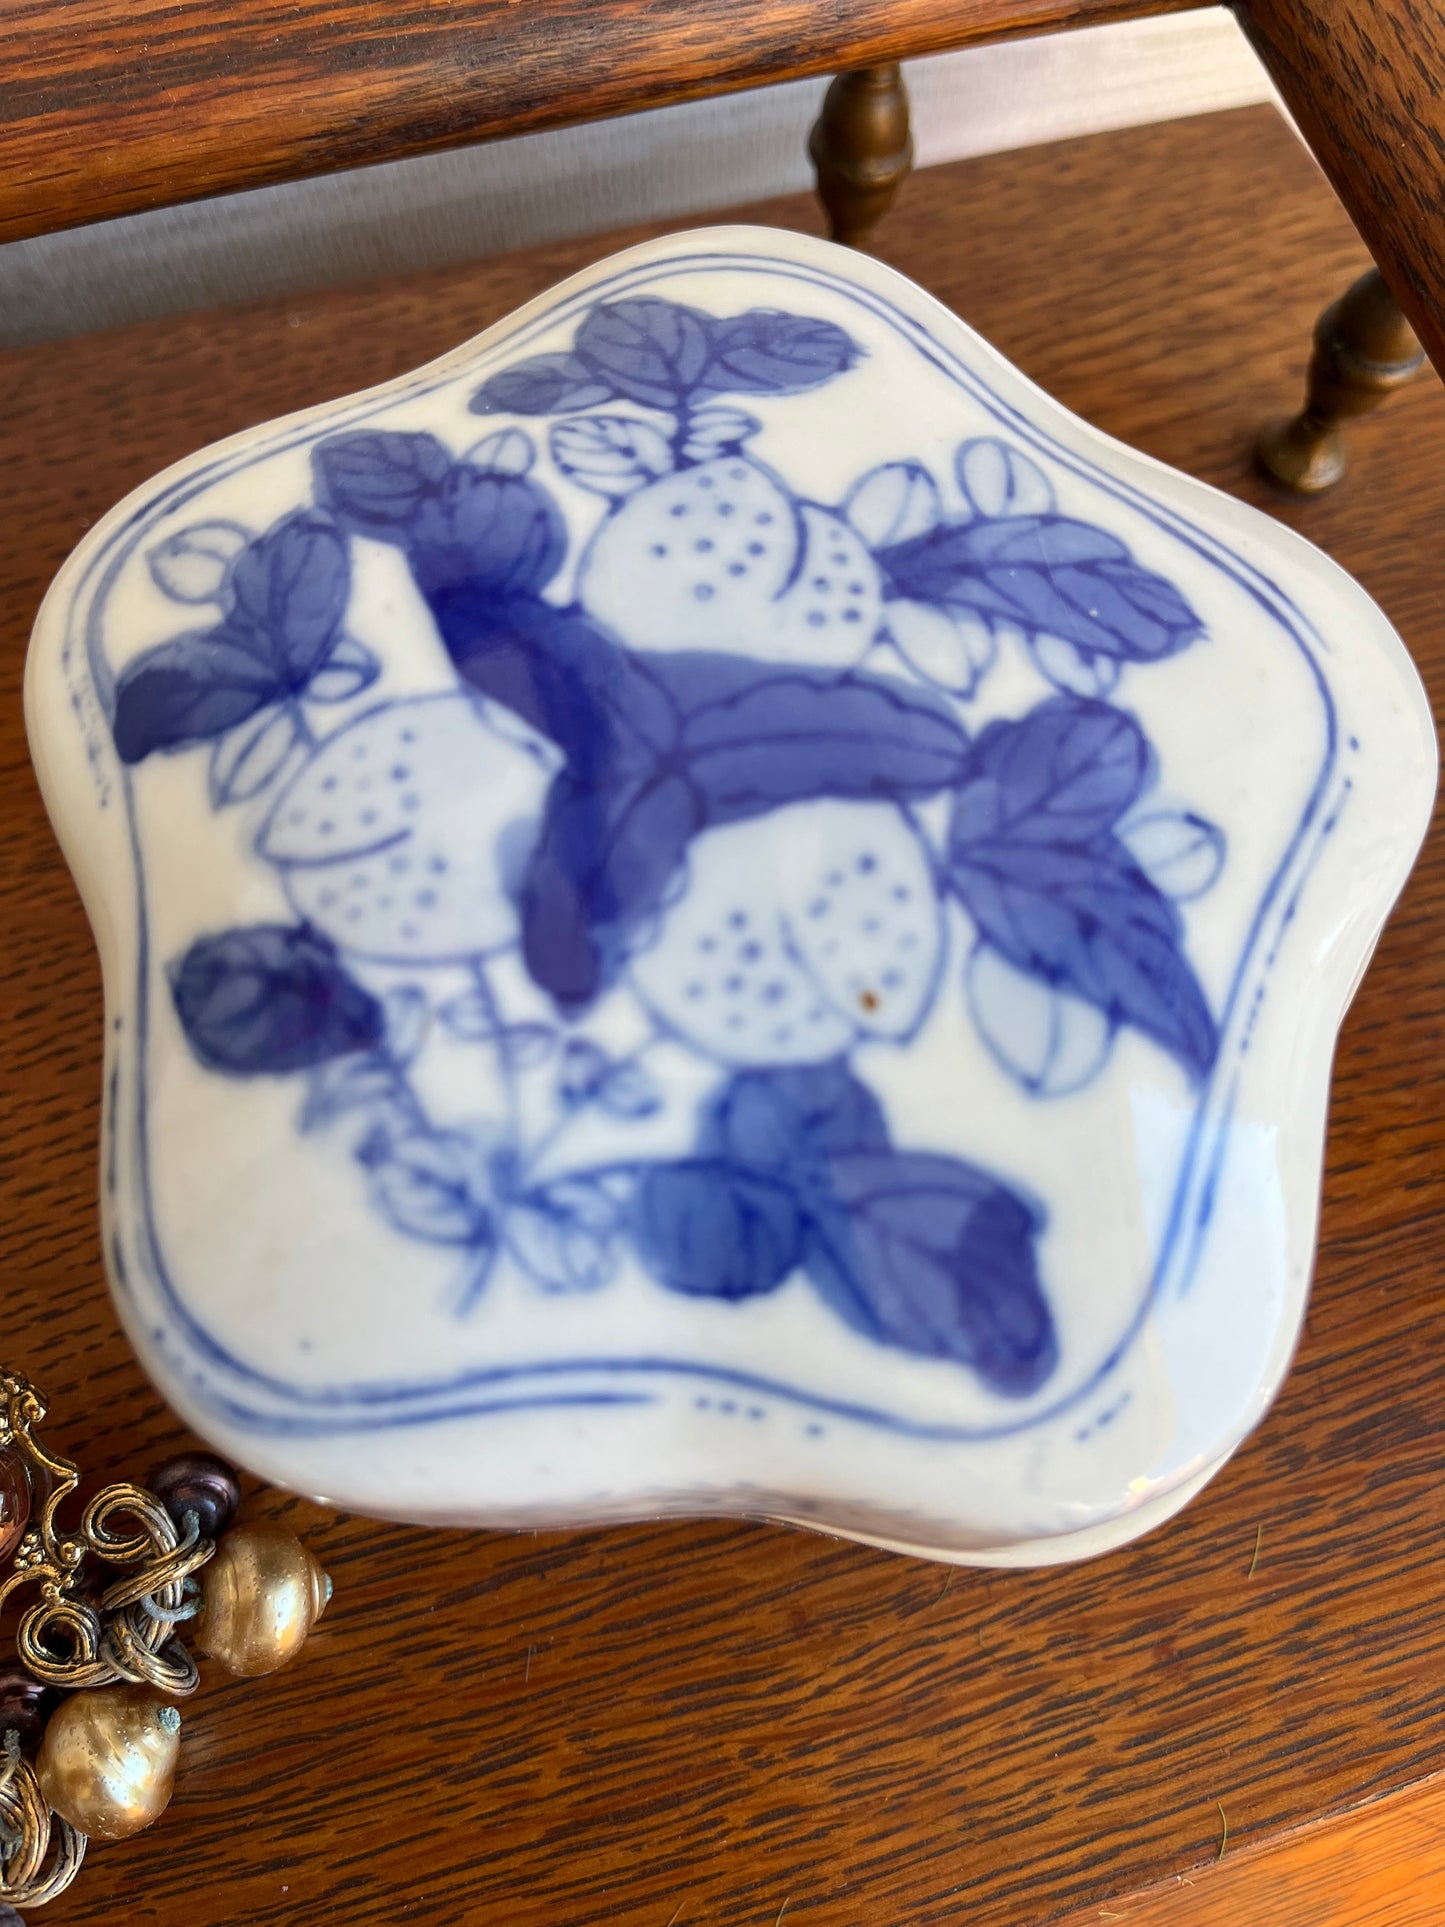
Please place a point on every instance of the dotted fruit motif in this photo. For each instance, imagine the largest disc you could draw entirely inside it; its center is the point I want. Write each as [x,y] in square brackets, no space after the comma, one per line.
[401,835]
[718,556]
[798,936]
[737,847]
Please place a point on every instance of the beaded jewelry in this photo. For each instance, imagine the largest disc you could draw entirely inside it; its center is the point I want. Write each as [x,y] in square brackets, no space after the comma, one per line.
[89,1725]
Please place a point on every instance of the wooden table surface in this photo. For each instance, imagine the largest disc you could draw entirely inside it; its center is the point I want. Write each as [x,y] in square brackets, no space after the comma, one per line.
[720,1723]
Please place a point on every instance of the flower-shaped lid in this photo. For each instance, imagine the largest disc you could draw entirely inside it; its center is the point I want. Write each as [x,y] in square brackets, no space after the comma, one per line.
[710,905]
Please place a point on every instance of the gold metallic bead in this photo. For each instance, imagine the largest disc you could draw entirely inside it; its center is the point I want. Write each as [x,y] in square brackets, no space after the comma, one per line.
[107,1762]
[263,1594]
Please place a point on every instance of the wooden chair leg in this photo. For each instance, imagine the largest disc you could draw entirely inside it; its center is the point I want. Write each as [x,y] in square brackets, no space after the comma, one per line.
[1364,350]
[861,149]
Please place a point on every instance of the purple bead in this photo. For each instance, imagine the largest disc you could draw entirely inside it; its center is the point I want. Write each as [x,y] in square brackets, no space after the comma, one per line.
[24,1708]
[14,1503]
[197,1482]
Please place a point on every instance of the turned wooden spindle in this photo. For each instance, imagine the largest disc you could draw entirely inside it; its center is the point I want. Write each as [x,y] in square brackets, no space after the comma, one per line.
[1364,350]
[862,149]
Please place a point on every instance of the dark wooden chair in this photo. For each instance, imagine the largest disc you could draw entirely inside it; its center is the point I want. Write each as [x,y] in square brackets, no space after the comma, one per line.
[1364,346]
[107,108]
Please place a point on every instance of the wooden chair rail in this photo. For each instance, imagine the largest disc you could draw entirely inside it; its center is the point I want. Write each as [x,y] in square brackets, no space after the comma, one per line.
[110,106]
[107,108]
[1365,79]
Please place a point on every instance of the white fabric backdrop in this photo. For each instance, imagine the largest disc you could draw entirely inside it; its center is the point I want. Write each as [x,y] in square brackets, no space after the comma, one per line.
[541,187]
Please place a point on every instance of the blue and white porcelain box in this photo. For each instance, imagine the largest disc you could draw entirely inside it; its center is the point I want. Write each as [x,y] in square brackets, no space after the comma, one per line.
[710,905]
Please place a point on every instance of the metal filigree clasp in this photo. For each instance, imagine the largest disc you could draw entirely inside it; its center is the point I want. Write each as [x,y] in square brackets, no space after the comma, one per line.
[101,1764]
[71,1636]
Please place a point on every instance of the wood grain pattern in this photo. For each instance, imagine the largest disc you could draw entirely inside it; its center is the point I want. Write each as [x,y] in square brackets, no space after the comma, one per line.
[107,106]
[1365,79]
[696,1723]
[1383,1866]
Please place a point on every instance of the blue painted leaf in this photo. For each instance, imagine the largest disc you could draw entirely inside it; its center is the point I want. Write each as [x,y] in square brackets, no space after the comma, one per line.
[628,1092]
[598,875]
[271,999]
[407,1012]
[650,350]
[429,1185]
[612,455]
[718,431]
[997,479]
[698,679]
[1049,575]
[709,1229]
[583,1067]
[1049,1041]
[556,1256]
[1072,670]
[190,690]
[764,352]
[544,385]
[365,1082]
[563,1235]
[289,591]
[374,482]
[1033,858]
[476,1276]
[953,649]
[250,757]
[194,565]
[893,503]
[915,1251]
[347,670]
[786,737]
[1181,854]
[944,557]
[507,451]
[1063,773]
[501,535]
[792,1122]
[938,1258]
[525,1046]
[472,1018]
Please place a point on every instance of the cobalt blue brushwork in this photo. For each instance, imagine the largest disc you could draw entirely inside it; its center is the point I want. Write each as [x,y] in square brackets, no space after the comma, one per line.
[709,905]
[737,775]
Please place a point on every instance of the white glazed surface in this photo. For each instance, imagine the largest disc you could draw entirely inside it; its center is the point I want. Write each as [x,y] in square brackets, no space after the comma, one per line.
[410,1279]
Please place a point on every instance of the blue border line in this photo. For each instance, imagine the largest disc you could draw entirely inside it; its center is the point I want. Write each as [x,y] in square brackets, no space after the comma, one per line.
[373,1399]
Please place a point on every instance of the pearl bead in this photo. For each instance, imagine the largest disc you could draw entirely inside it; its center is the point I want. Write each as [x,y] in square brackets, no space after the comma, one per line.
[14,1503]
[107,1763]
[263,1594]
[197,1482]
